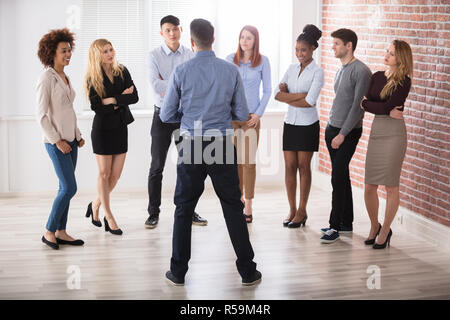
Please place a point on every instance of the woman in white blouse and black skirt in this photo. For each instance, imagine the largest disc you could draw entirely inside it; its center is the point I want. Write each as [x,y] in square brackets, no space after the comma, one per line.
[300,89]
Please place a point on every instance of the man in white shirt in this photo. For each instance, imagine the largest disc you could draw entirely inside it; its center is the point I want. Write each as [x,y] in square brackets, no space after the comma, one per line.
[162,61]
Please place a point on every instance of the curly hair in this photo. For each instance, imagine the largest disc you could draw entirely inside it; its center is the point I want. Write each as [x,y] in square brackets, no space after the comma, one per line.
[49,43]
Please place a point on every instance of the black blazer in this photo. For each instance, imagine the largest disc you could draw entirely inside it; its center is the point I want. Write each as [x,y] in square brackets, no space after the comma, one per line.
[106,118]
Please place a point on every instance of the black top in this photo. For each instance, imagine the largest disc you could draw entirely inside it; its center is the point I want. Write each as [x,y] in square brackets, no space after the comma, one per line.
[106,117]
[374,104]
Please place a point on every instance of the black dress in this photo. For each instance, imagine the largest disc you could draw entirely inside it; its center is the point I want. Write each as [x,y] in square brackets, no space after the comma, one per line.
[109,133]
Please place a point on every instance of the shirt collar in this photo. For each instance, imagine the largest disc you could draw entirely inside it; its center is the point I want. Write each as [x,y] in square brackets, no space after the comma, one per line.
[205,53]
[167,50]
[309,66]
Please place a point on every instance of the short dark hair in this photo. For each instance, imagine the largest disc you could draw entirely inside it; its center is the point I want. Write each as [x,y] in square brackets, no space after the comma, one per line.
[202,32]
[49,43]
[346,35]
[170,19]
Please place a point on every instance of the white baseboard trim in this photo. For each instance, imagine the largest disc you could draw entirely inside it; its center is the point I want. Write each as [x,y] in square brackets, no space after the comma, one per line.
[426,229]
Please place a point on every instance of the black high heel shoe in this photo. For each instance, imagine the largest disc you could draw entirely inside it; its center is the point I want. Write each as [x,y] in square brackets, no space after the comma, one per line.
[372,241]
[286,222]
[117,232]
[89,212]
[387,242]
[297,224]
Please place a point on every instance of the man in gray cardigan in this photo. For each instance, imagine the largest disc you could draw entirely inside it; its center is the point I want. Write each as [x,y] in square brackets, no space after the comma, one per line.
[344,130]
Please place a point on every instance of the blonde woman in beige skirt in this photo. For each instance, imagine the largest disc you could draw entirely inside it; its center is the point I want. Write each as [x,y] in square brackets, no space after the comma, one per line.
[387,142]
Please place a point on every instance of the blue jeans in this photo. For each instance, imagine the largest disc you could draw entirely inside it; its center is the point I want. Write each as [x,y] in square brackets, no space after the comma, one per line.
[65,170]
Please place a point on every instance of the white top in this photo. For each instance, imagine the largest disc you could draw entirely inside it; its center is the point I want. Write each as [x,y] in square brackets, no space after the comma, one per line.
[310,81]
[161,62]
[55,113]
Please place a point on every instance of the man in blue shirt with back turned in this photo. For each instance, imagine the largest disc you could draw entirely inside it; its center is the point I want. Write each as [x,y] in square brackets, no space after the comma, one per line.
[205,94]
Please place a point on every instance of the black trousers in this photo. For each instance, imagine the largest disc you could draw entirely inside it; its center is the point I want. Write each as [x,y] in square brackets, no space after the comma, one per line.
[190,185]
[161,134]
[342,202]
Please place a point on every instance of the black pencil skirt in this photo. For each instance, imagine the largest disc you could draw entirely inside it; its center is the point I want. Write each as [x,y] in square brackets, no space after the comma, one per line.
[301,138]
[109,142]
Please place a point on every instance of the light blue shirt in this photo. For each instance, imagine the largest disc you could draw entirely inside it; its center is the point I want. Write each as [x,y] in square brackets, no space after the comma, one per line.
[310,81]
[161,62]
[205,94]
[252,78]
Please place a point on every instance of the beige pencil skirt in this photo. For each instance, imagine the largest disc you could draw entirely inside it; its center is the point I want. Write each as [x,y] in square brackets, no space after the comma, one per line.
[386,151]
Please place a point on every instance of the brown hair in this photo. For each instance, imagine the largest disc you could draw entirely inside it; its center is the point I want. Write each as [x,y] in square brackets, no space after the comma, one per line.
[256,56]
[346,35]
[404,58]
[49,43]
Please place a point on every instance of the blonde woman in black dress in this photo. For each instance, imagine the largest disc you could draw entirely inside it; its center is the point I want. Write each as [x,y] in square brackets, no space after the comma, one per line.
[387,142]
[110,89]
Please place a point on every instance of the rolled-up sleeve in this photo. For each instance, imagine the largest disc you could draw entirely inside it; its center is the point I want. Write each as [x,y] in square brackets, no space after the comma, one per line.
[283,80]
[239,107]
[43,105]
[169,110]
[316,87]
[158,85]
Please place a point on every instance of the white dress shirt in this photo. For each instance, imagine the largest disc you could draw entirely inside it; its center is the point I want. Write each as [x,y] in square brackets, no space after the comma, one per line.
[310,81]
[161,62]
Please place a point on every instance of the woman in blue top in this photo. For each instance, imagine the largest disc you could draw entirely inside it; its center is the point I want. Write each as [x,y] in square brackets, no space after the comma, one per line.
[300,89]
[254,69]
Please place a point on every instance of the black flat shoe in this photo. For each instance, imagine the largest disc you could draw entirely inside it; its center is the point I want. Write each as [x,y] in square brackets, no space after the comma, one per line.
[89,212]
[297,224]
[72,243]
[387,242]
[117,232]
[52,245]
[152,221]
[372,241]
[199,221]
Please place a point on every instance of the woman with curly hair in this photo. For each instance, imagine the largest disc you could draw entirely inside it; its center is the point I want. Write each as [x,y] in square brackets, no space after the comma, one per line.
[387,142]
[57,119]
[110,89]
[300,89]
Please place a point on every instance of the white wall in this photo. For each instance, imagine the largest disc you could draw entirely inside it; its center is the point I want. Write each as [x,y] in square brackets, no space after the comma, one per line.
[24,163]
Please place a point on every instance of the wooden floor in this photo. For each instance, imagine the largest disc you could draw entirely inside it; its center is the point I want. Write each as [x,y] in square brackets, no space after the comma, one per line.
[293,262]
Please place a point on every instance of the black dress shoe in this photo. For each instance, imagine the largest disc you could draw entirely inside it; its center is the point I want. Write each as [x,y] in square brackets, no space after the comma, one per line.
[52,245]
[387,242]
[89,212]
[152,221]
[297,224]
[372,241]
[72,243]
[117,232]
[286,222]
[254,279]
[174,280]
[198,221]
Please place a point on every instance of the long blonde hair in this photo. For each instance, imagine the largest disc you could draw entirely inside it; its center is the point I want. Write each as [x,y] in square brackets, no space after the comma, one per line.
[94,74]
[404,58]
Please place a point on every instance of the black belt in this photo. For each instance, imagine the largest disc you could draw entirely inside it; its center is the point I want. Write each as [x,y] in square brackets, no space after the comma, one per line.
[157,109]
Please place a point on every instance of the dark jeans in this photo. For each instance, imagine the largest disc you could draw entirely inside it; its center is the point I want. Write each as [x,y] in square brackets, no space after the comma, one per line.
[64,165]
[190,186]
[161,134]
[342,202]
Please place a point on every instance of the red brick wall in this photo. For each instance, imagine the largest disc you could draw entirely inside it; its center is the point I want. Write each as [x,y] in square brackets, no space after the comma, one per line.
[424,24]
